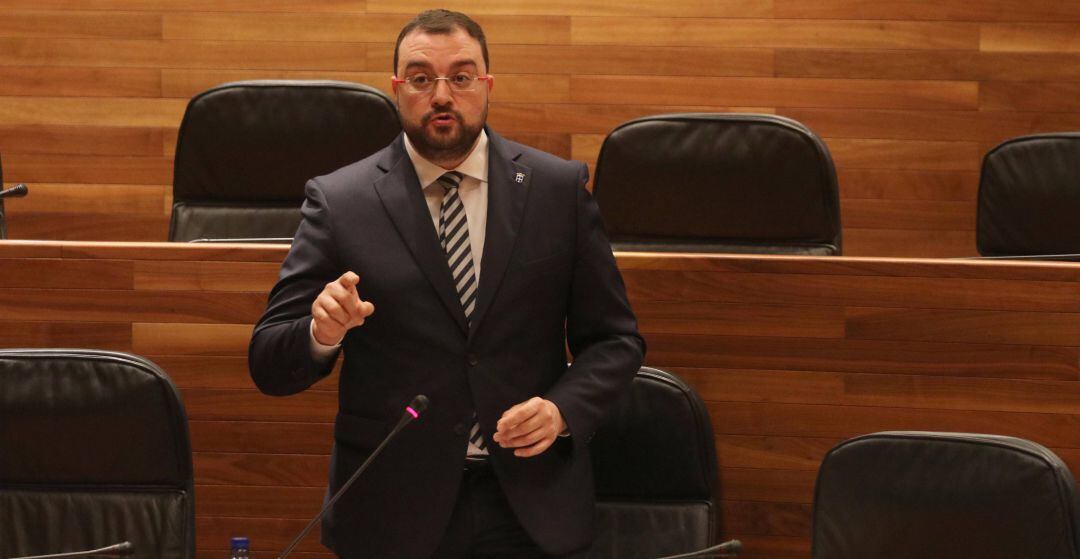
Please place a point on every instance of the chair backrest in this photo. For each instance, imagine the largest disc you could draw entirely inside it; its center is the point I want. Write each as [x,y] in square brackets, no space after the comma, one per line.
[654,461]
[900,495]
[94,450]
[246,149]
[745,183]
[1029,197]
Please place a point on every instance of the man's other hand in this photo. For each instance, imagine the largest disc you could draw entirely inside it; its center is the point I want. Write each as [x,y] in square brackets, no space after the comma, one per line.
[529,427]
[337,309]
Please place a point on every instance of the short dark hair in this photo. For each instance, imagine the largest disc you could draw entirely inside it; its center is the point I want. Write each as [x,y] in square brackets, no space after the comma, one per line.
[443,22]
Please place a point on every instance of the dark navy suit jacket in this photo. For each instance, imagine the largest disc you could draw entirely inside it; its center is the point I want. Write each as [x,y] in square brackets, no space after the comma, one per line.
[549,283]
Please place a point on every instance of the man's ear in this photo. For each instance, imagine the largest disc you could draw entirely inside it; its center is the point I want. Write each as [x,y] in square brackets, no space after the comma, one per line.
[393,84]
[490,82]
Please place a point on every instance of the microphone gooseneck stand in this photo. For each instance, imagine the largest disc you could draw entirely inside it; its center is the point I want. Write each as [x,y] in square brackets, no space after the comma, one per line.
[115,550]
[727,549]
[413,411]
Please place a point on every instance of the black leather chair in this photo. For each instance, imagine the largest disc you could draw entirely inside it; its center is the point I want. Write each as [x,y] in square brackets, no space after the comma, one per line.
[246,149]
[744,183]
[94,450]
[898,495]
[1029,197]
[654,462]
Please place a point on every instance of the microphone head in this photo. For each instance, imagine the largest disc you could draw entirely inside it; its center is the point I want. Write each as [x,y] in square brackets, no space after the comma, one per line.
[17,191]
[415,408]
[418,405]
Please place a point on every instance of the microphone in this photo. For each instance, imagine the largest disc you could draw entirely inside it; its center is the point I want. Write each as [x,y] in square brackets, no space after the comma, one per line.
[17,191]
[115,550]
[412,411]
[730,548]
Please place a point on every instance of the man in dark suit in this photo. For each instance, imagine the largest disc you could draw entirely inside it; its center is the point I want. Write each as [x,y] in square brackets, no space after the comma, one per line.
[485,260]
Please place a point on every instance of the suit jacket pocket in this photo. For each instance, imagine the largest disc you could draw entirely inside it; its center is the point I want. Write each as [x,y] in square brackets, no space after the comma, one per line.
[538,260]
[359,433]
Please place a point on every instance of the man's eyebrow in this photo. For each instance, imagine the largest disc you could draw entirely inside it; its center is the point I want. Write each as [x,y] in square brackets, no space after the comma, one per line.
[417,64]
[425,65]
[463,62]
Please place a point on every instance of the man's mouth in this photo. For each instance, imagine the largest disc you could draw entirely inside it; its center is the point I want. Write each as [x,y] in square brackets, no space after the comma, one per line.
[442,118]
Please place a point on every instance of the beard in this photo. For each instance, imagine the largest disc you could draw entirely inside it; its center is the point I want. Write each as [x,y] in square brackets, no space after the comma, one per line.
[453,145]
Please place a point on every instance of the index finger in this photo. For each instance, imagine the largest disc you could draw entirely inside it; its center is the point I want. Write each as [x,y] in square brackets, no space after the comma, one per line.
[348,280]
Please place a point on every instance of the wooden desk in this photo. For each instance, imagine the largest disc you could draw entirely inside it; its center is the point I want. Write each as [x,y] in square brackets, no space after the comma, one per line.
[791,354]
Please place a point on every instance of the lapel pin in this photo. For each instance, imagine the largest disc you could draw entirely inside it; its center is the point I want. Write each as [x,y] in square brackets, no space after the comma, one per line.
[520,177]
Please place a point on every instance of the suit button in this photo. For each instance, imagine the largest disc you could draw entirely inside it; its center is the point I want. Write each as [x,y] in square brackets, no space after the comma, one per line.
[459,429]
[472,360]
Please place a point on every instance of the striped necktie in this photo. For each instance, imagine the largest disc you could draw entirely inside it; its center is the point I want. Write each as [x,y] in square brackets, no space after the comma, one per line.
[454,235]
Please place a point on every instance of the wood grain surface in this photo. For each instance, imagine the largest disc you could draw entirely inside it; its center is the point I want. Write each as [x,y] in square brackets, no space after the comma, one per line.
[791,354]
[908,95]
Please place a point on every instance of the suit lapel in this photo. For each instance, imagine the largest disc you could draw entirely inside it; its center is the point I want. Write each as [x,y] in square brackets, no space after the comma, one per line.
[400,193]
[508,188]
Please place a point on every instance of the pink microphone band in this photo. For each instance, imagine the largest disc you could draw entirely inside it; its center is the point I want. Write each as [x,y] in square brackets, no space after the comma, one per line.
[412,411]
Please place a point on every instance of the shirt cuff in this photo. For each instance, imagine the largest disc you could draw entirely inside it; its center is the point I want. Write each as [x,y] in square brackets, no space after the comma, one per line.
[319,351]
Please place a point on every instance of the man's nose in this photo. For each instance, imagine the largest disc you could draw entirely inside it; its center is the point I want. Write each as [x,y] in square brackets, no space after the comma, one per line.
[441,94]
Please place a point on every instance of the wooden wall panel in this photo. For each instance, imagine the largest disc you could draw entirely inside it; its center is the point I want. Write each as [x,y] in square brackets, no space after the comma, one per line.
[1030,96]
[1031,37]
[90,199]
[80,226]
[189,338]
[79,82]
[791,356]
[918,215]
[211,276]
[266,437]
[876,356]
[908,243]
[196,5]
[776,92]
[84,111]
[948,10]
[81,140]
[775,33]
[927,65]
[760,288]
[66,274]
[79,24]
[684,8]
[907,155]
[338,28]
[908,95]
[38,333]
[629,59]
[892,185]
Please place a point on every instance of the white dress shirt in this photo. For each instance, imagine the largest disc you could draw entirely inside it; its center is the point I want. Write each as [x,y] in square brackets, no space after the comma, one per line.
[474,196]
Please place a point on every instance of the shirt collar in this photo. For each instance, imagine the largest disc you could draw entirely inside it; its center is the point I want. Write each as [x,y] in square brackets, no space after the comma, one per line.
[475,165]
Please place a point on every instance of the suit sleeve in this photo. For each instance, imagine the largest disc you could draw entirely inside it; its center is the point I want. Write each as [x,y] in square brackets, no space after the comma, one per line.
[601,329]
[279,356]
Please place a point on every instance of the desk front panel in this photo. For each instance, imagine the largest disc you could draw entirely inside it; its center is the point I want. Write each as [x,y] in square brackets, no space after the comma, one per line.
[791,354]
